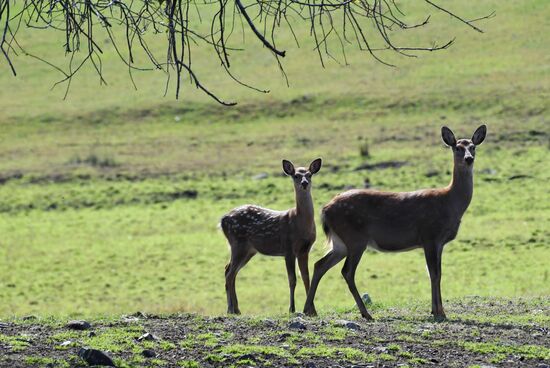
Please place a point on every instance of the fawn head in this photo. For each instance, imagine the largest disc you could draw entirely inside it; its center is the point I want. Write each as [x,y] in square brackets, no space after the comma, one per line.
[302,176]
[464,150]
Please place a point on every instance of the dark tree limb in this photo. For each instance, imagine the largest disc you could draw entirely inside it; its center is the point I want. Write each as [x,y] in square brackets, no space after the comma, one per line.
[333,24]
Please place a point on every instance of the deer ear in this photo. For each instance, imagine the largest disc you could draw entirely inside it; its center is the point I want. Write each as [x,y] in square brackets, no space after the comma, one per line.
[479,135]
[288,167]
[448,136]
[315,166]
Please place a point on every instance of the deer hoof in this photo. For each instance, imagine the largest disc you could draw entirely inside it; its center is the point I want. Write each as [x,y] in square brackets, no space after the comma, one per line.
[233,311]
[310,312]
[439,317]
[367,316]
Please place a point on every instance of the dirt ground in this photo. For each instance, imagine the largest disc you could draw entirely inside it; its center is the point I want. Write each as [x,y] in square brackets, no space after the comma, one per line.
[478,332]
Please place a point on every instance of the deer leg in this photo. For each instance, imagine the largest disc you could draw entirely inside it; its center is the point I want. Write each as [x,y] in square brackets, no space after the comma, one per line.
[304,270]
[239,258]
[227,289]
[348,271]
[433,261]
[290,261]
[320,268]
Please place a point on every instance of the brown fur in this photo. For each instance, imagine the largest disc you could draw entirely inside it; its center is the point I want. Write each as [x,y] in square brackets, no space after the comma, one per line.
[393,222]
[252,229]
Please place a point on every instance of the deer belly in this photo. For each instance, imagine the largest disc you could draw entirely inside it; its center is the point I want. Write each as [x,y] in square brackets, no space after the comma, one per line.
[393,239]
[269,247]
[270,251]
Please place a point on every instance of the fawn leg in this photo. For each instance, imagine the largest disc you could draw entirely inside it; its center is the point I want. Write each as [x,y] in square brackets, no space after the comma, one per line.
[290,261]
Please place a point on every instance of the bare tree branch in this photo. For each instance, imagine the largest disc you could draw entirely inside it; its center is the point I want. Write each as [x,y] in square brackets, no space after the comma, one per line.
[333,24]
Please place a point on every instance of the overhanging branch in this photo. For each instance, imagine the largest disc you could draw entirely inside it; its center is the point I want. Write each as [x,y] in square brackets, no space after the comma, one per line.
[370,23]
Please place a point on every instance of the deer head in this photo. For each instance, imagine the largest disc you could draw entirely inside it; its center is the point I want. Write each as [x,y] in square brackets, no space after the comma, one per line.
[464,150]
[302,176]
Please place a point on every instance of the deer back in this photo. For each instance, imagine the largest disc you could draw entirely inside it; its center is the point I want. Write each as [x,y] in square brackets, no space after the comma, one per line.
[259,228]
[392,221]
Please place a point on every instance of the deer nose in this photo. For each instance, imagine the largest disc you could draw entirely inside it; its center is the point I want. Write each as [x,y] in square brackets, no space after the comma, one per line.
[304,183]
[469,160]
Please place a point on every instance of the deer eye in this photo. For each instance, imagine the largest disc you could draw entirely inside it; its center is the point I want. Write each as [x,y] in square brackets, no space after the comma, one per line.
[296,176]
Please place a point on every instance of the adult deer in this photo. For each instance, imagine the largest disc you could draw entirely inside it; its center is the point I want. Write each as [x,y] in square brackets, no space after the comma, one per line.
[394,222]
[251,229]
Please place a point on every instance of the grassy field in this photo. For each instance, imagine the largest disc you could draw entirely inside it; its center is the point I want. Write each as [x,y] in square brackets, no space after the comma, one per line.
[109,201]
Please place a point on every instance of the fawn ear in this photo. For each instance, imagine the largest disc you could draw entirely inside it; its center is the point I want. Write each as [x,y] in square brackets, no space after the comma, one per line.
[448,136]
[288,167]
[315,166]
[479,135]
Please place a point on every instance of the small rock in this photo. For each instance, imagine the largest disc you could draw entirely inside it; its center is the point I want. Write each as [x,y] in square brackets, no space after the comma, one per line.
[283,336]
[542,365]
[148,353]
[129,319]
[310,365]
[348,324]
[78,325]
[91,334]
[380,349]
[366,299]
[95,357]
[269,322]
[66,343]
[29,318]
[260,176]
[247,356]
[139,314]
[3,325]
[147,336]
[297,324]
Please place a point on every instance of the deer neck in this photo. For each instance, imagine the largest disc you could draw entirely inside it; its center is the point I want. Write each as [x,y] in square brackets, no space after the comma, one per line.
[304,207]
[461,188]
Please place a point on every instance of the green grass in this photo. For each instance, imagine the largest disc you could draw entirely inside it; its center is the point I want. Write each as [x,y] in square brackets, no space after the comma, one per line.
[502,350]
[38,361]
[242,341]
[349,354]
[112,198]
[16,343]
